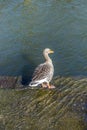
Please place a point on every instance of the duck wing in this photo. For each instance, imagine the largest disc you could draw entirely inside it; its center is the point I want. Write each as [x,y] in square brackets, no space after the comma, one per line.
[41,72]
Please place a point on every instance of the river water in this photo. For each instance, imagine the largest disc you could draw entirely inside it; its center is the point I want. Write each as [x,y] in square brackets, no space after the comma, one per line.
[29,26]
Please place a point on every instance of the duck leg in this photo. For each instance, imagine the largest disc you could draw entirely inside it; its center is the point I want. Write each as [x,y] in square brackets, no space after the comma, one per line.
[50,86]
[44,85]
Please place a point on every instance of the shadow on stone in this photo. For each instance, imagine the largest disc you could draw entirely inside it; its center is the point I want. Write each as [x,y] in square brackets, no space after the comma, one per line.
[27,74]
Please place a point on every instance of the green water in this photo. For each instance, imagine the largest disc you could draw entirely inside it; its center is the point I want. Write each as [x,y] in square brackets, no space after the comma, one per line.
[29,26]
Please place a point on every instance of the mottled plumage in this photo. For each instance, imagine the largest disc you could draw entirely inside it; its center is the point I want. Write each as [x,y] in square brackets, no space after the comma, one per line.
[44,72]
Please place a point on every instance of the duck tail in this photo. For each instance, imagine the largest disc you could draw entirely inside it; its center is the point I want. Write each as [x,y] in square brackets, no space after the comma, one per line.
[34,84]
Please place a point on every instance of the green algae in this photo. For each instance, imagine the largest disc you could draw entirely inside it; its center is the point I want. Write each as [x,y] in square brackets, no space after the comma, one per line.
[63,108]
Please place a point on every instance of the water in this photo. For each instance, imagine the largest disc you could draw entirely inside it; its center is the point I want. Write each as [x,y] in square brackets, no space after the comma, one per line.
[29,26]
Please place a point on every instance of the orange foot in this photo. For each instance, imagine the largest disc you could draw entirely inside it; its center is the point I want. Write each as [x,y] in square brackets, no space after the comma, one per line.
[50,86]
[45,85]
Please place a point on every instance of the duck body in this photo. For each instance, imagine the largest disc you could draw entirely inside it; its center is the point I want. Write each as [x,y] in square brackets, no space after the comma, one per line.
[43,74]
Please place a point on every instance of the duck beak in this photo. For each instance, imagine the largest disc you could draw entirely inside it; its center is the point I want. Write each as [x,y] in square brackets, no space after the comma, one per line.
[51,51]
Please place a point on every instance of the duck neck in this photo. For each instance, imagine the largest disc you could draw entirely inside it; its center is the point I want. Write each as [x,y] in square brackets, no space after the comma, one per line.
[48,59]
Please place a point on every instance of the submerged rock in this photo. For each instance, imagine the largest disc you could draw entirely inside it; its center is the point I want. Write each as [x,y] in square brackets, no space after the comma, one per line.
[63,108]
[10,82]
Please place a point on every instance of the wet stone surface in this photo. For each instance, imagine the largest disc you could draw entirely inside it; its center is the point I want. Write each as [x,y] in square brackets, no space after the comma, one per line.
[62,108]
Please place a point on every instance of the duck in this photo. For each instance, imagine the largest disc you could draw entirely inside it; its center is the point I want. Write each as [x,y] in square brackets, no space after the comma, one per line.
[44,72]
